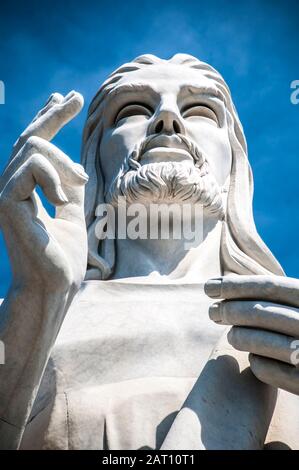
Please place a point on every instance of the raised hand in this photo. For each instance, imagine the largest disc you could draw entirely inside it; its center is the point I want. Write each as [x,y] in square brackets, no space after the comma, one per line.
[48,257]
[43,249]
[264,312]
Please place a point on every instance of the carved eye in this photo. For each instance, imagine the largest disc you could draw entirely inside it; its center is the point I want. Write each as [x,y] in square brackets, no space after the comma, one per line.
[133,109]
[201,111]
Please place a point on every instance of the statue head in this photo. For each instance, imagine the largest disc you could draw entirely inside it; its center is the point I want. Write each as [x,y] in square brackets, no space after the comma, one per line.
[167,131]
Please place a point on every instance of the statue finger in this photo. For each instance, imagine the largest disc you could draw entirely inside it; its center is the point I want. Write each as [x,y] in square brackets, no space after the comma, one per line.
[54,98]
[263,343]
[259,314]
[37,170]
[275,373]
[48,122]
[278,289]
[70,173]
[58,115]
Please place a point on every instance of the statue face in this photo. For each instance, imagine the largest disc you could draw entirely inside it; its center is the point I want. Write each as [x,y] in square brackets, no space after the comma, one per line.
[161,103]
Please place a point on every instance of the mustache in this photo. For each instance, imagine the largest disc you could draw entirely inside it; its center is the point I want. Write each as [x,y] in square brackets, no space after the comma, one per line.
[177,141]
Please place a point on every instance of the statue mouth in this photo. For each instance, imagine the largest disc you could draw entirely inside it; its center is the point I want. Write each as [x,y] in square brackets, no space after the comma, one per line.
[165,154]
[163,148]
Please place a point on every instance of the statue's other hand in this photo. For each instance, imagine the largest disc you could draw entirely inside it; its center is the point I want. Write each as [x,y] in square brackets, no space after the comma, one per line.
[264,312]
[50,252]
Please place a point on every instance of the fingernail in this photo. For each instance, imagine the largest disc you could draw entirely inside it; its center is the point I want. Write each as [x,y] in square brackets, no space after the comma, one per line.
[215,312]
[213,288]
[80,171]
[69,95]
[56,97]
[62,195]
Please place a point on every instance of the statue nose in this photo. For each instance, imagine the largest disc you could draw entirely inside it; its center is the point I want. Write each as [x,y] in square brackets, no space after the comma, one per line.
[168,122]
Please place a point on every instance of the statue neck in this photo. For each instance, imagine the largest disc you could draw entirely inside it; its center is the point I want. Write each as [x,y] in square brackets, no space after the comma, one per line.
[172,259]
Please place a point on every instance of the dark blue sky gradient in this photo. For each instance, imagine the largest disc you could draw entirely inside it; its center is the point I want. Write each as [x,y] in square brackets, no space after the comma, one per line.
[60,46]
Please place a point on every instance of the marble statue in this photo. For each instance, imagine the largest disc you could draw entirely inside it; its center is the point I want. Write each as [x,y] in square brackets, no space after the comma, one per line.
[139,343]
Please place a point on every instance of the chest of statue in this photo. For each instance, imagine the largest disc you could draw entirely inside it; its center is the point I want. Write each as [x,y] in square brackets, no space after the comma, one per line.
[127,358]
[126,353]
[119,331]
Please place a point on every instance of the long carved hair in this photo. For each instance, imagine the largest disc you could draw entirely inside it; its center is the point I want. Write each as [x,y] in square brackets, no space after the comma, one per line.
[242,251]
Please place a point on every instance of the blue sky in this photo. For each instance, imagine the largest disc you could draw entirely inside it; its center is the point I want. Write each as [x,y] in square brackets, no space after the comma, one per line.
[59,46]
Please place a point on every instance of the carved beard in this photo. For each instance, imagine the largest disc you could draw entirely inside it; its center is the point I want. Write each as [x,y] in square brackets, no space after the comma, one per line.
[167,182]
